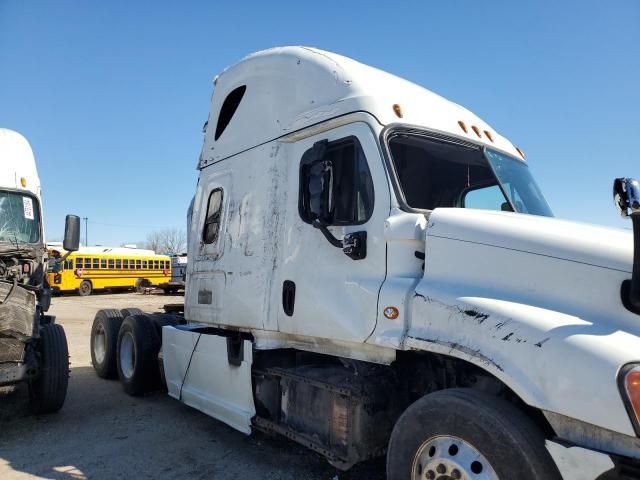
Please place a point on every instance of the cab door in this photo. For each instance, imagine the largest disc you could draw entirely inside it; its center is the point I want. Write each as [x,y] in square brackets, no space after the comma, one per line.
[327,289]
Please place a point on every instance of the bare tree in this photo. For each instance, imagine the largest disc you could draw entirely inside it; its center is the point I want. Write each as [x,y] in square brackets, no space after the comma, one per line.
[169,240]
[154,241]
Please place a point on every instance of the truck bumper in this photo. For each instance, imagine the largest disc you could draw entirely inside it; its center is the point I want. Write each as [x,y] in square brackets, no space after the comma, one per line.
[577,463]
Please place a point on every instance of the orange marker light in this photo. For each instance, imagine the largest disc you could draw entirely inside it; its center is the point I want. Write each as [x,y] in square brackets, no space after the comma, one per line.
[23,181]
[520,152]
[489,136]
[391,313]
[477,130]
[632,385]
[397,110]
[462,126]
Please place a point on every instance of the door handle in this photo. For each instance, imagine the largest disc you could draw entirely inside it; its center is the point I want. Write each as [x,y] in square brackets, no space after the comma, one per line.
[288,297]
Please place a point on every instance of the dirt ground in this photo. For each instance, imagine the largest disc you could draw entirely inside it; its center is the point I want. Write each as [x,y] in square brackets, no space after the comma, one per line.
[103,433]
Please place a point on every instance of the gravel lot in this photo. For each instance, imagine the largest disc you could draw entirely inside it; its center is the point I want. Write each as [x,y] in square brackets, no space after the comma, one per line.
[103,433]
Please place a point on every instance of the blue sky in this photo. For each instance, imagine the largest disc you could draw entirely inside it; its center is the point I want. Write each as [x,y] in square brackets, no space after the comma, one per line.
[112,95]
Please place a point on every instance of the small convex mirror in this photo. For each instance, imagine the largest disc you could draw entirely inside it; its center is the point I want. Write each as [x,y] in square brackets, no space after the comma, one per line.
[71,241]
[626,196]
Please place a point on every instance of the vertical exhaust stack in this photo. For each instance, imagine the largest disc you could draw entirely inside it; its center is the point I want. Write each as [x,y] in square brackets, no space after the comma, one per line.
[626,194]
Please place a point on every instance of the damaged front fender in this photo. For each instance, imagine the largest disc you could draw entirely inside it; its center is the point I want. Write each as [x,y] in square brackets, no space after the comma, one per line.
[553,361]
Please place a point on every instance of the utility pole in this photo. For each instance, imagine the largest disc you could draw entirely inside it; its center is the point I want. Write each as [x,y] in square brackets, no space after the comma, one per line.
[86,228]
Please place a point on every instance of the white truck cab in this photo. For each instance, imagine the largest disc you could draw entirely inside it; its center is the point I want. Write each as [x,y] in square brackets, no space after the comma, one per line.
[33,348]
[373,268]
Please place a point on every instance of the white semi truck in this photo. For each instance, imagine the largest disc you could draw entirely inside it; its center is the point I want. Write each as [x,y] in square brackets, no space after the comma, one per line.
[33,348]
[374,269]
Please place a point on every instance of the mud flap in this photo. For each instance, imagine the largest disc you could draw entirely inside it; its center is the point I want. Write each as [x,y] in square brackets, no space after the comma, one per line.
[199,374]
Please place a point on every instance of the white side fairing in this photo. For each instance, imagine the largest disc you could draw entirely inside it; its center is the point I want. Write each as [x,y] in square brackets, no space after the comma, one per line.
[198,374]
[536,302]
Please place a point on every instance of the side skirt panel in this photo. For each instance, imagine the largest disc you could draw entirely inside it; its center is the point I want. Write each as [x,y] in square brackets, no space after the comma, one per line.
[198,373]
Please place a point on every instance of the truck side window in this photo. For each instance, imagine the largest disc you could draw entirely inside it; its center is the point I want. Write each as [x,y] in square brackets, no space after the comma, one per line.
[351,183]
[212,220]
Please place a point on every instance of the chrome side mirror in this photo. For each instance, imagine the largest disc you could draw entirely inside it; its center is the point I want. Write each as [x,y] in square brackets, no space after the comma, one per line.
[626,196]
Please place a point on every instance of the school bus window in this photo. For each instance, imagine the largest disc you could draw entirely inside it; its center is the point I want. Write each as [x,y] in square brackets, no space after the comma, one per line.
[118,263]
[125,263]
[68,265]
[111,263]
[138,264]
[166,265]
[96,263]
[103,263]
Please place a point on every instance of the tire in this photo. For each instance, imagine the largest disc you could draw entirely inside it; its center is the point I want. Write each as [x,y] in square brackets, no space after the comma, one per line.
[126,312]
[471,431]
[137,358]
[104,342]
[85,288]
[141,284]
[49,389]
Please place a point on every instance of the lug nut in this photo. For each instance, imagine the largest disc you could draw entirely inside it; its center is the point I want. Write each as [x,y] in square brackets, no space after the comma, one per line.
[441,468]
[431,475]
[455,474]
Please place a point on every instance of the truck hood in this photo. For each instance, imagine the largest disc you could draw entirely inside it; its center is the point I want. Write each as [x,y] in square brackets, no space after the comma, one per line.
[576,242]
[535,301]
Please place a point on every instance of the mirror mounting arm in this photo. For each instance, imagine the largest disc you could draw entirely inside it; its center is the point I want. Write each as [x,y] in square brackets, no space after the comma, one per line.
[626,195]
[630,291]
[354,245]
[327,234]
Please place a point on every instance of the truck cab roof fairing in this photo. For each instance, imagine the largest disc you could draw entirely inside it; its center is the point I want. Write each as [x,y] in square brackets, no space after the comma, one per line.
[290,88]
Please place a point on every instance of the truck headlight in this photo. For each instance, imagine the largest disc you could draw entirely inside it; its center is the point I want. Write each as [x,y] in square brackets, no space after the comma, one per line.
[629,384]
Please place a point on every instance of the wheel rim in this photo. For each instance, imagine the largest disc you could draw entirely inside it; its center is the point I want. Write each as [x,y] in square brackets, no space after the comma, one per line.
[85,287]
[127,355]
[99,344]
[450,458]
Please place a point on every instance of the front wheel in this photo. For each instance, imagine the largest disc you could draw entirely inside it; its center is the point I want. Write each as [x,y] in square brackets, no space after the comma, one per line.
[49,389]
[467,434]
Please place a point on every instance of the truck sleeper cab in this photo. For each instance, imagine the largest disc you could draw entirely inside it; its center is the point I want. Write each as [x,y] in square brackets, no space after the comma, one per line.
[373,268]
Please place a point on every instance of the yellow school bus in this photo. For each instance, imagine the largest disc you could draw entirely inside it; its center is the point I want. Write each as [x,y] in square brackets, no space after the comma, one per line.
[96,268]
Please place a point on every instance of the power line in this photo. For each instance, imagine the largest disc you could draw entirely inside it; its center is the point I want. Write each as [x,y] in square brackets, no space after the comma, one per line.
[137,226]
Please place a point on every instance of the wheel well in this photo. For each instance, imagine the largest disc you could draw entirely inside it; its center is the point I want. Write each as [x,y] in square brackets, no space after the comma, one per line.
[421,373]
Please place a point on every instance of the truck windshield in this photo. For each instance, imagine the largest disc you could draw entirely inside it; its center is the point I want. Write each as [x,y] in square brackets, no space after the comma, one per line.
[518,184]
[19,218]
[433,173]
